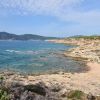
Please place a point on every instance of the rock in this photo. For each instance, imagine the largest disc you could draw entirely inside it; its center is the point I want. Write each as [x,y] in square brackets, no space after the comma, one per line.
[97,97]
[61,73]
[38,88]
[63,92]
[30,78]
[91,97]
[56,87]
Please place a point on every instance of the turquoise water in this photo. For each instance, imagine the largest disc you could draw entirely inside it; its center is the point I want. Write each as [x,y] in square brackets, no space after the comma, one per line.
[36,57]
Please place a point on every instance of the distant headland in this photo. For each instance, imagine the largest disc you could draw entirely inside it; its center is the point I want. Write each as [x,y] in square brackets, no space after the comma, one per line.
[10,36]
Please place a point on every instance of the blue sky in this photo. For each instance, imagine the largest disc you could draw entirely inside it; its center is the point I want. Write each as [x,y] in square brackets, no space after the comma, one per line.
[50,17]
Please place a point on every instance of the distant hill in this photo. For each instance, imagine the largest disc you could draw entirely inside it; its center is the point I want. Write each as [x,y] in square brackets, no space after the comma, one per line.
[85,37]
[9,36]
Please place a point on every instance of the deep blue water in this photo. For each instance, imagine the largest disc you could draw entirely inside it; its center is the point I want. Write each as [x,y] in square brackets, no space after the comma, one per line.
[36,57]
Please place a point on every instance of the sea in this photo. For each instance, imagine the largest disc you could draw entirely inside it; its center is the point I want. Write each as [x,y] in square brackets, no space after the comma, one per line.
[36,56]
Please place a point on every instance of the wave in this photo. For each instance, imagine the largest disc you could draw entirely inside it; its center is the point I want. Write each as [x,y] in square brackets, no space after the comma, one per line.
[21,52]
[29,51]
[12,51]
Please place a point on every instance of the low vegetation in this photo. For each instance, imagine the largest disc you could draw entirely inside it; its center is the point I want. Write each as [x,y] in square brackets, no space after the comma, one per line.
[86,37]
[77,95]
[39,91]
[4,95]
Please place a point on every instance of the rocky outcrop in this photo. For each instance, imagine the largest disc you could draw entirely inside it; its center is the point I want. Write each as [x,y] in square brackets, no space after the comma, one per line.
[66,86]
[40,91]
[86,49]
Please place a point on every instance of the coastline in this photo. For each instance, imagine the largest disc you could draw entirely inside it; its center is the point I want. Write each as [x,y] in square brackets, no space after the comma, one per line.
[87,82]
[87,51]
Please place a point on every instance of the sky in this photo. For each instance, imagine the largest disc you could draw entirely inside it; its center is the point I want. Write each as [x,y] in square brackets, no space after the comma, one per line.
[58,18]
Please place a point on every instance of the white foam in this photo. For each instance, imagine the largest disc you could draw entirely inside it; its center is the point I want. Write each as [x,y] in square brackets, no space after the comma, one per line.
[20,52]
[13,51]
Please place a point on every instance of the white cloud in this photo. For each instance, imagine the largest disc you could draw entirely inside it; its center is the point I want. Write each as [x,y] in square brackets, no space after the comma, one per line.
[39,6]
[65,10]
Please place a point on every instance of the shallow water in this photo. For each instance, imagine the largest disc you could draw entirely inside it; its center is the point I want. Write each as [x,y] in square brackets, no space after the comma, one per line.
[36,57]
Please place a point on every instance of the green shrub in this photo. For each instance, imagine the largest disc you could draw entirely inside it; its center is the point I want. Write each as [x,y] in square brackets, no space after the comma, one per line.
[77,95]
[4,95]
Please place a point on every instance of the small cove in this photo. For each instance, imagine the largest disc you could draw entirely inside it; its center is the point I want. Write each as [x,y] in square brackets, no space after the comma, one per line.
[36,57]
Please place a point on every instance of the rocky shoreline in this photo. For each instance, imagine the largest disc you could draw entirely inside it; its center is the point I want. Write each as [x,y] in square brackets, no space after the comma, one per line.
[58,86]
[62,86]
[87,49]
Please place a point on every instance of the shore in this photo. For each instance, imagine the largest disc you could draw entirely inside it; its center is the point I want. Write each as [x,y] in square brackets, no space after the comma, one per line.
[87,82]
[89,51]
[86,49]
